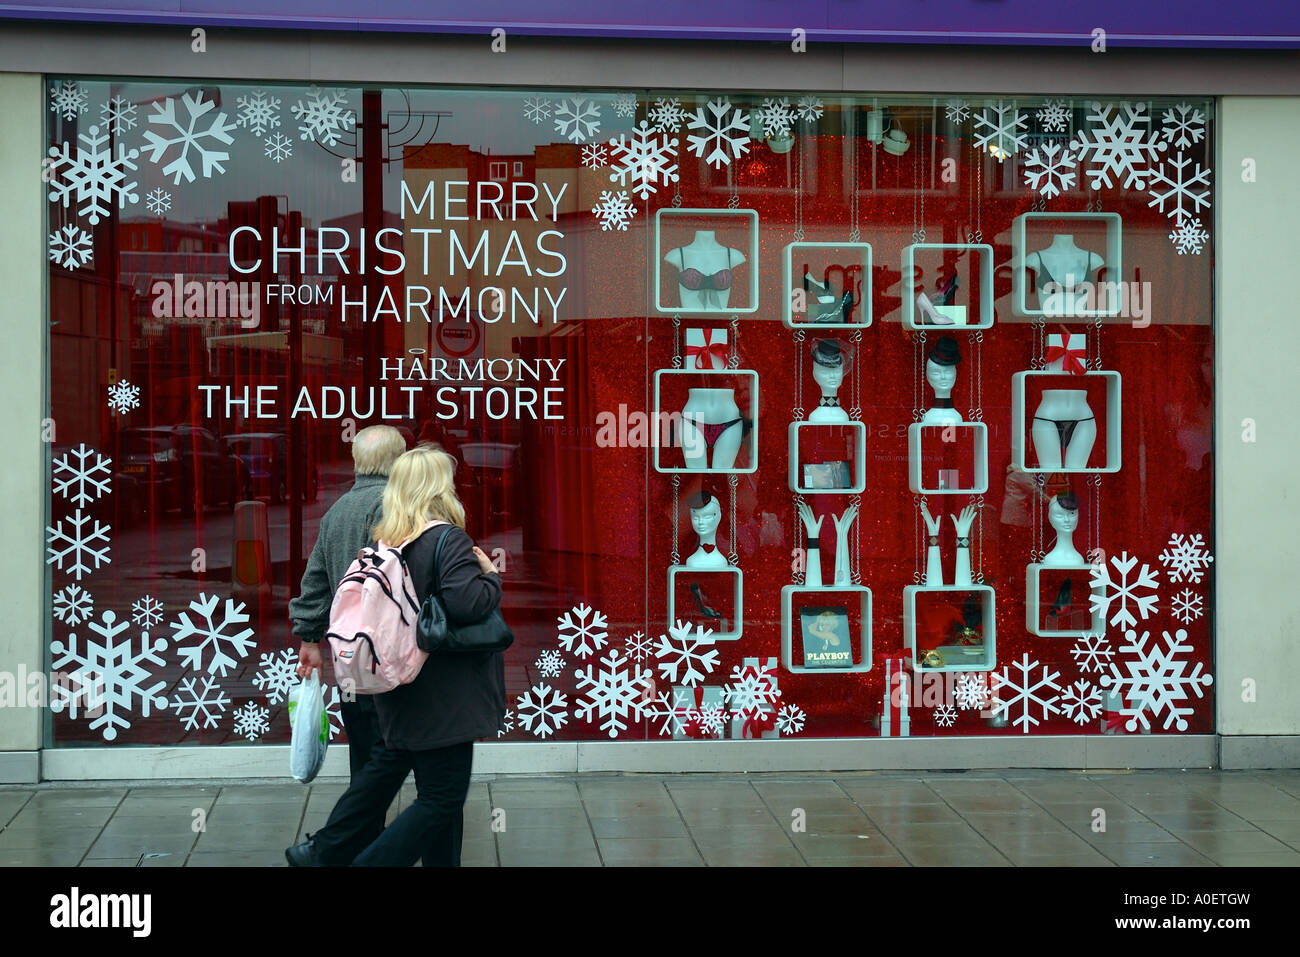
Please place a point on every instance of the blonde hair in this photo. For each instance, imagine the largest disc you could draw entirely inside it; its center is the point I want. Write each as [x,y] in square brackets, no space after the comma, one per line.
[420,490]
[375,449]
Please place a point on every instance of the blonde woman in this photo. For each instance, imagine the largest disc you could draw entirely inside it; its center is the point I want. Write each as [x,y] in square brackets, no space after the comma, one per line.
[430,725]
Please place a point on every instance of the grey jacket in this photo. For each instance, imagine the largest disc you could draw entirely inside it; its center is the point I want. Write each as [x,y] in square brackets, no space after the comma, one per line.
[344,530]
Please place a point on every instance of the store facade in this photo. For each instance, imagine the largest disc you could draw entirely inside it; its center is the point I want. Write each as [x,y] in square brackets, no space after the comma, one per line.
[868,422]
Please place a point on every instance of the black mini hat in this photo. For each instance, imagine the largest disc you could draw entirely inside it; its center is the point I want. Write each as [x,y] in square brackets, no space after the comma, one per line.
[832,352]
[945,352]
[700,499]
[1068,501]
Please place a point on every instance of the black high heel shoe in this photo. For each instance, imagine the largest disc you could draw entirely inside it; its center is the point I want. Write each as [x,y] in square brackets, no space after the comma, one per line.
[705,610]
[1062,602]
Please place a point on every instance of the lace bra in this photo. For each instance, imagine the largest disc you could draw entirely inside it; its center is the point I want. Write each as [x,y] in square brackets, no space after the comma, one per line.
[695,280]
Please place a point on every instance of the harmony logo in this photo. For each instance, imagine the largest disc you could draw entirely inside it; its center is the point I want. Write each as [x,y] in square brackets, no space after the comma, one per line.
[76,910]
[212,299]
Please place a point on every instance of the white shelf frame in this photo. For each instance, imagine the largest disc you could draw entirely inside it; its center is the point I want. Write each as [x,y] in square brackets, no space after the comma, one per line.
[863,661]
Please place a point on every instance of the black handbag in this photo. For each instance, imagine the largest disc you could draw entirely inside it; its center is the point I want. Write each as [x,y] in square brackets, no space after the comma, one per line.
[435,634]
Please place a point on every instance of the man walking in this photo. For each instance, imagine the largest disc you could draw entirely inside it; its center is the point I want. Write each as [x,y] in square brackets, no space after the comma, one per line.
[344,530]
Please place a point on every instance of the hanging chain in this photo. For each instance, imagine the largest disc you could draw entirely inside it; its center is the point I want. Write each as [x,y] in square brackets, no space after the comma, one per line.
[799,577]
[677,487]
[798,375]
[855,574]
[921,537]
[1097,324]
[732,480]
[855,234]
[922,185]
[918,363]
[979,199]
[677,195]
[977,377]
[798,191]
[733,360]
[1096,510]
[918,201]
[855,411]
[978,577]
[1040,494]
[677,342]
[733,197]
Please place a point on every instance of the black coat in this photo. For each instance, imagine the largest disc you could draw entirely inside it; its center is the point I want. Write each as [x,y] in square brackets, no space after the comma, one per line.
[455,698]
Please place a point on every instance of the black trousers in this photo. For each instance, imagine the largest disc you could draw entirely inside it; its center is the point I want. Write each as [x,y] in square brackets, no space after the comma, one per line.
[432,827]
[341,840]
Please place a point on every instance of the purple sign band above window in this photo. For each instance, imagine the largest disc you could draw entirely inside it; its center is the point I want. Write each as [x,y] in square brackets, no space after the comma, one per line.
[1118,23]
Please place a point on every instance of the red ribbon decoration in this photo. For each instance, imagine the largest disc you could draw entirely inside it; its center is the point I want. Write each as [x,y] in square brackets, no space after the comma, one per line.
[712,350]
[1115,722]
[756,723]
[1072,358]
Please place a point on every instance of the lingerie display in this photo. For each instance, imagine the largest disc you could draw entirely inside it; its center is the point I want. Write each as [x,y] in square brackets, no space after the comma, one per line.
[710,286]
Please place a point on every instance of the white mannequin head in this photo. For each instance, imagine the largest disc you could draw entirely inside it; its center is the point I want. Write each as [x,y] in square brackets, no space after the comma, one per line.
[831,359]
[706,517]
[941,366]
[1063,514]
[828,377]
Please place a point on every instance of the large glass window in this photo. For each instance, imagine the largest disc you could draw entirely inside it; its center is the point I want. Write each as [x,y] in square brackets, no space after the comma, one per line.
[774,400]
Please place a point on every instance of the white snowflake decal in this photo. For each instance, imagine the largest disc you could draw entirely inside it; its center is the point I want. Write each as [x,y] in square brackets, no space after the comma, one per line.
[78,545]
[1047,173]
[577,119]
[613,693]
[93,175]
[71,247]
[624,105]
[1182,194]
[1081,702]
[73,605]
[639,647]
[84,473]
[1187,606]
[542,710]
[147,612]
[680,650]
[1189,237]
[333,712]
[1105,590]
[158,201]
[615,209]
[324,116]
[189,137]
[674,721]
[213,633]
[250,720]
[582,630]
[123,396]
[258,112]
[1027,691]
[776,116]
[1183,125]
[537,108]
[1156,682]
[790,719]
[507,723]
[278,148]
[594,155]
[118,115]
[1092,653]
[998,129]
[971,692]
[712,719]
[808,108]
[642,160]
[108,676]
[68,100]
[753,690]
[1186,557]
[277,674]
[550,664]
[667,115]
[956,111]
[723,133]
[1053,116]
[945,716]
[199,699]
[1119,145]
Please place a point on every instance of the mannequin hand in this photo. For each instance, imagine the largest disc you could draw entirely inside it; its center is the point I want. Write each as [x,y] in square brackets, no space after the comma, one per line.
[812,526]
[931,522]
[963,523]
[843,521]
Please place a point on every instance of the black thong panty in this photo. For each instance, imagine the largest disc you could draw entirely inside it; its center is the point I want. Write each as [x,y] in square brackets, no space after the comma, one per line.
[1064,427]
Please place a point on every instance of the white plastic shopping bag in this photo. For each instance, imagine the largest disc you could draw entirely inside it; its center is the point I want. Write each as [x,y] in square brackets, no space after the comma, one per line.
[311,730]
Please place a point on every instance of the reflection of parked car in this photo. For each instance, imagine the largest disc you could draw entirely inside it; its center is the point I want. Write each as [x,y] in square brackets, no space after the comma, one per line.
[493,467]
[265,456]
[181,466]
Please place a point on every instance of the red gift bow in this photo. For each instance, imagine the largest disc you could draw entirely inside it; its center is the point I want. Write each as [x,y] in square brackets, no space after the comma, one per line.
[713,350]
[1114,721]
[756,723]
[1073,358]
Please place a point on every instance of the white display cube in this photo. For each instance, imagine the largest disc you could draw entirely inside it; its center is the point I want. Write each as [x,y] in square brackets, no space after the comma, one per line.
[956,657]
[979,480]
[861,662]
[789,284]
[858,463]
[983,315]
[1111,417]
[738,595]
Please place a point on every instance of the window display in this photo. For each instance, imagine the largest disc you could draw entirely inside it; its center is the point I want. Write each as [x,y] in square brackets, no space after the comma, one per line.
[611,309]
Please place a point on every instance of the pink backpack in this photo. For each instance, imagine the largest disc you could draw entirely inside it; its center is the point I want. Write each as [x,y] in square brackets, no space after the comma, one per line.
[372,622]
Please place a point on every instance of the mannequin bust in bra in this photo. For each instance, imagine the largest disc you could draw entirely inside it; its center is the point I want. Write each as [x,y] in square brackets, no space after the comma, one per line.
[706,516]
[704,272]
[1068,266]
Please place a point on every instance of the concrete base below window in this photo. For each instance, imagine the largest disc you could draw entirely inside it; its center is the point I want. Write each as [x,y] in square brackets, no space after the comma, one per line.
[1242,751]
[20,767]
